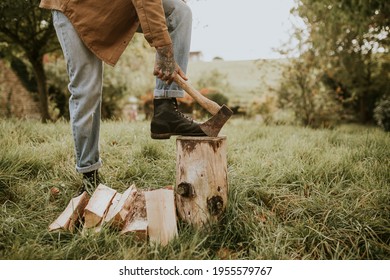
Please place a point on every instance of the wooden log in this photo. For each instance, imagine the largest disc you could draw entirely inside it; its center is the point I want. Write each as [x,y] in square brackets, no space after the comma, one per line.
[201,179]
[68,219]
[161,215]
[112,210]
[136,220]
[138,227]
[122,204]
[98,206]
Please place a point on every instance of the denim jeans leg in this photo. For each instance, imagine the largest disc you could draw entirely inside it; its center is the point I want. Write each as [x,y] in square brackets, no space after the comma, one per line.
[85,73]
[179,21]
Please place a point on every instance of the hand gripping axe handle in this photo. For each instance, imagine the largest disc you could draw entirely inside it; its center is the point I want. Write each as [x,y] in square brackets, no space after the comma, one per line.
[220,114]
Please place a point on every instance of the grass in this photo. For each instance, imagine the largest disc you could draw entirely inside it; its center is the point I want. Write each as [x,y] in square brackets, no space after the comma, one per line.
[294,193]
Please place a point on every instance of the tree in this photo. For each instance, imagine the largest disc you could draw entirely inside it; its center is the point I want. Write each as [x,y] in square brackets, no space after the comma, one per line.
[350,42]
[302,91]
[26,35]
[212,83]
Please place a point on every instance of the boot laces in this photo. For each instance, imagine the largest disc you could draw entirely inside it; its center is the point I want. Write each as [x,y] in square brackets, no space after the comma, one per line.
[176,108]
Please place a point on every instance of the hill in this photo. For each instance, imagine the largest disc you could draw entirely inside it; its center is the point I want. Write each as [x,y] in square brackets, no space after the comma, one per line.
[247,79]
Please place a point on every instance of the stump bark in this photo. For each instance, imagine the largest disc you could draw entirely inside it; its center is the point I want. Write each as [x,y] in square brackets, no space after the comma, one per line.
[201,179]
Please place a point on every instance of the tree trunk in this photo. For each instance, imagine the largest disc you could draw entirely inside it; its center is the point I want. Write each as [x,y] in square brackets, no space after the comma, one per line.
[40,75]
[201,179]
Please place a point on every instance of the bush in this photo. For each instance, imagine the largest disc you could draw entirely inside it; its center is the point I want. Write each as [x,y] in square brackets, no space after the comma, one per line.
[112,101]
[263,106]
[215,96]
[218,98]
[382,113]
[302,91]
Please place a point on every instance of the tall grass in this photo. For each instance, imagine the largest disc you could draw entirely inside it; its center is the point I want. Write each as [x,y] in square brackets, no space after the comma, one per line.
[294,193]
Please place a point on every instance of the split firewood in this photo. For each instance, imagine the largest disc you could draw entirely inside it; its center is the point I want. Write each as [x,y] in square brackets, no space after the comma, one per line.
[72,214]
[138,227]
[98,206]
[111,210]
[119,211]
[136,221]
[114,202]
[161,215]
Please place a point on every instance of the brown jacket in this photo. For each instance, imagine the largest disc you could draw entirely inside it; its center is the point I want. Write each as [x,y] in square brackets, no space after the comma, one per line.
[107,26]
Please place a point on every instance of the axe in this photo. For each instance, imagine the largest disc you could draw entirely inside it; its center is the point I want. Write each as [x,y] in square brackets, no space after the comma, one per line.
[220,114]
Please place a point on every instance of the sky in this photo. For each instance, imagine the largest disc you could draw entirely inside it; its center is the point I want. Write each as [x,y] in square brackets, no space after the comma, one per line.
[240,29]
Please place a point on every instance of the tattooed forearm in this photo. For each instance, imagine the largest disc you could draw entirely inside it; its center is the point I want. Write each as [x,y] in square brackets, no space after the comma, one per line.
[165,62]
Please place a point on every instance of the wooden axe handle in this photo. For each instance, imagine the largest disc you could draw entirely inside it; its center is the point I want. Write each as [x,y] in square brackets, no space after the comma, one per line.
[211,106]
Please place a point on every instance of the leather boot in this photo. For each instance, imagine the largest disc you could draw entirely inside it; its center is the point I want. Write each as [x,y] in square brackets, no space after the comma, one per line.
[90,182]
[167,121]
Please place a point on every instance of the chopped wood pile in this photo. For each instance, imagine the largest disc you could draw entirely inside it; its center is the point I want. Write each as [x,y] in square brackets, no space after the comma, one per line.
[146,214]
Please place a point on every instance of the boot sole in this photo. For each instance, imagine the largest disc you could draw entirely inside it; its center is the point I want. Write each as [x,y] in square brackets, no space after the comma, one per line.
[164,136]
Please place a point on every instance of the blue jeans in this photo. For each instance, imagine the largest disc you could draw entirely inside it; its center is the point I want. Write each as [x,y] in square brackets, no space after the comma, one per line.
[85,73]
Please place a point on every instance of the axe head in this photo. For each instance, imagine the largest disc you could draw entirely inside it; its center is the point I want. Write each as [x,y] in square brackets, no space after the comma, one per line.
[212,126]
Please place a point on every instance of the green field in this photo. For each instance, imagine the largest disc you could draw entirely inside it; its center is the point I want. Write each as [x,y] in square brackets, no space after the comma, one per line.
[294,193]
[247,79]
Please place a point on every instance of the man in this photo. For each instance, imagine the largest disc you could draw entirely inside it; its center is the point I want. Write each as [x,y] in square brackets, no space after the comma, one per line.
[95,32]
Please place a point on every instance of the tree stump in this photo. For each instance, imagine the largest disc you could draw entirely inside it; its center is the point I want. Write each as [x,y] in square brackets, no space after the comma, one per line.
[201,179]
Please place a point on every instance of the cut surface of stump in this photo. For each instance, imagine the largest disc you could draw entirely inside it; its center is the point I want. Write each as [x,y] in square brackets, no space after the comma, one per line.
[201,179]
